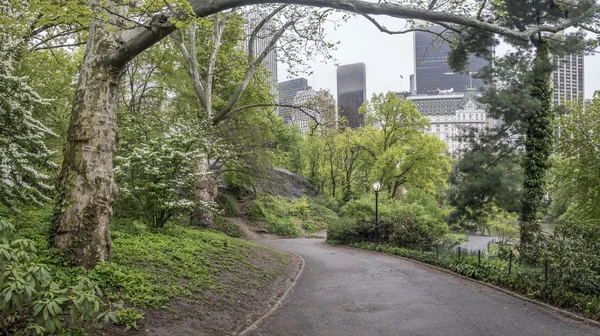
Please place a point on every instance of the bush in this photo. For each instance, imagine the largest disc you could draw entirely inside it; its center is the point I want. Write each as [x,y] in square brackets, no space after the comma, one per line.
[31,297]
[279,213]
[228,204]
[325,201]
[128,317]
[410,224]
[453,239]
[322,214]
[282,226]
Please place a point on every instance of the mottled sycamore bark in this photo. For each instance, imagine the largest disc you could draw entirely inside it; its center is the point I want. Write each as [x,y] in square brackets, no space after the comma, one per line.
[86,185]
[205,193]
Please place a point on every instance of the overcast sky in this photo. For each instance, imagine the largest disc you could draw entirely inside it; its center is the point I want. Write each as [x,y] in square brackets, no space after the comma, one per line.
[387,57]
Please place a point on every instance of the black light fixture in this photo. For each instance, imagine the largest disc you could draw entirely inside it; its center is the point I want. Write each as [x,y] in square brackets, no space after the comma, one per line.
[376,187]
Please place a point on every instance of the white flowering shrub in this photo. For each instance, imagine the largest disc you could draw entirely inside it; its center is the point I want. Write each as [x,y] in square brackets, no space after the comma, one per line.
[155,178]
[23,152]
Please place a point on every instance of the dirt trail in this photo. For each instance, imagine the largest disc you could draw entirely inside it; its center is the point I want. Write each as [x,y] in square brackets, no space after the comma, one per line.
[250,231]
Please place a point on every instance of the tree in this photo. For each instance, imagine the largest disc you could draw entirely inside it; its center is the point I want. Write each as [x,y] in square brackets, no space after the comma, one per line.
[526,16]
[578,169]
[118,33]
[490,171]
[396,150]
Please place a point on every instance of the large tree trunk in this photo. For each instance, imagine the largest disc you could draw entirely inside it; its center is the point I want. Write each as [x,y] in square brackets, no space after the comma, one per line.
[205,193]
[86,185]
[538,146]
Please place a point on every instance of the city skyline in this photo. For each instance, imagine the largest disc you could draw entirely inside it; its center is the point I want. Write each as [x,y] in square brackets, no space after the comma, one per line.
[389,59]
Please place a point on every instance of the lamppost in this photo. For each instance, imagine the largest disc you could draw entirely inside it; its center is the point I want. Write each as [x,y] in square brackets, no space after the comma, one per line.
[376,187]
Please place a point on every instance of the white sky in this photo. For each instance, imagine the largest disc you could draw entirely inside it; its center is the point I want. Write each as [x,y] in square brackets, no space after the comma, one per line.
[387,57]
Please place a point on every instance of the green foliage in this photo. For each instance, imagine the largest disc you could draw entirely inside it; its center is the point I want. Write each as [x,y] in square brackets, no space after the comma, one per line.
[283,216]
[228,204]
[128,317]
[286,226]
[453,239]
[538,146]
[416,219]
[149,269]
[577,172]
[223,225]
[326,201]
[484,173]
[31,295]
[392,147]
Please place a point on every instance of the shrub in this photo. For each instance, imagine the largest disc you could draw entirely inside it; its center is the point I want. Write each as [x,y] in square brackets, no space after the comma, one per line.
[322,214]
[409,224]
[361,208]
[453,239]
[32,298]
[325,201]
[278,213]
[282,226]
[228,204]
[128,317]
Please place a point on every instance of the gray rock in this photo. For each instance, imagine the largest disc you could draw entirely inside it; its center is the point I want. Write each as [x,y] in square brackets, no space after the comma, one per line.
[284,183]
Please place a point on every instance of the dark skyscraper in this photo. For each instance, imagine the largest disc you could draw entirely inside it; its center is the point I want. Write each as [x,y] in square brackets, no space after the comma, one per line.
[287,93]
[432,72]
[351,92]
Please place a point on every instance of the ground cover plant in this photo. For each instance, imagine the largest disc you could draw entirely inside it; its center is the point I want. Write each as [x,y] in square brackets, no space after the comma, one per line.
[285,216]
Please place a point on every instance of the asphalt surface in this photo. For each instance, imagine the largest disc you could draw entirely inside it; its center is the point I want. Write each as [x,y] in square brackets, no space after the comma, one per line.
[350,292]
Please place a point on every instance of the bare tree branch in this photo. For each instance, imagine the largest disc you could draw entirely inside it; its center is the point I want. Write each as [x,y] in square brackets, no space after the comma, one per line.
[235,97]
[390,32]
[61,46]
[189,54]
[257,29]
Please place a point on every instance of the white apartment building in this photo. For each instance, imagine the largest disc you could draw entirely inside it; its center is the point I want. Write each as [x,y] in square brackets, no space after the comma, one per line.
[451,114]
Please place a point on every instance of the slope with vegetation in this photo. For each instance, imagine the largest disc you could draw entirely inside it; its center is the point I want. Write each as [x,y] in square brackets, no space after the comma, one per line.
[161,279]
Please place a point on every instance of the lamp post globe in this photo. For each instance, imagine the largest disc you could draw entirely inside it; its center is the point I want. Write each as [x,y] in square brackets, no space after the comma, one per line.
[376,187]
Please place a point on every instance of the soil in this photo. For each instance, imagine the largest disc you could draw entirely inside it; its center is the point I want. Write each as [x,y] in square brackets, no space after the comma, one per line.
[244,299]
[252,230]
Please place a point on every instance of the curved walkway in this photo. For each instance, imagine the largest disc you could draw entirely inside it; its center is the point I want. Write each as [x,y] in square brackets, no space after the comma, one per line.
[349,292]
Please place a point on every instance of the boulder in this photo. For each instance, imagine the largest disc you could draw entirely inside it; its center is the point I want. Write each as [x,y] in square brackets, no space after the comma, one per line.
[284,183]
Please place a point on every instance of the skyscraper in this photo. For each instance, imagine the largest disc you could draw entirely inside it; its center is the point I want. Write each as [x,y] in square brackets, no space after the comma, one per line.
[318,107]
[567,79]
[261,42]
[432,72]
[287,92]
[351,92]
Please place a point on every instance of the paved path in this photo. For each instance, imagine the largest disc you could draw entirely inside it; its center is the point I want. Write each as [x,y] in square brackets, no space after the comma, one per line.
[478,242]
[346,292]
